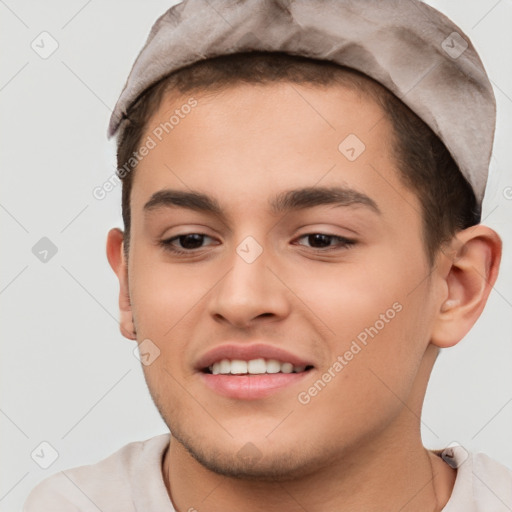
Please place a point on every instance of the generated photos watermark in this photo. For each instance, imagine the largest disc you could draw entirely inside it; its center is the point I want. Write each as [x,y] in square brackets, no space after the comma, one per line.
[157,135]
[357,345]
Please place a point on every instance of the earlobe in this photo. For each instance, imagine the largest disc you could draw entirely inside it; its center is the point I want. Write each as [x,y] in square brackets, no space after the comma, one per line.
[116,259]
[471,271]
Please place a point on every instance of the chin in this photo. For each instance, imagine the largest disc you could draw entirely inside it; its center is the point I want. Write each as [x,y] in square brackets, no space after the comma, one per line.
[250,462]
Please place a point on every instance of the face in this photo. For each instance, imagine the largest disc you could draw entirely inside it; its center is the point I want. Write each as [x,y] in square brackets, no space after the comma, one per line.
[329,282]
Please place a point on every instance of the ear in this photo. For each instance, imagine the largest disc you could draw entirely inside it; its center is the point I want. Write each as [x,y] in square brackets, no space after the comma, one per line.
[469,270]
[116,258]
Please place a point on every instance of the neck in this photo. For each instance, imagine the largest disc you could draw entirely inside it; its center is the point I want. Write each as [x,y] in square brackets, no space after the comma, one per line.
[403,475]
[391,470]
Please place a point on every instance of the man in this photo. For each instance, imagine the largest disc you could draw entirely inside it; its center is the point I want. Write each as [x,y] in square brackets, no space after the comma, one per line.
[302,187]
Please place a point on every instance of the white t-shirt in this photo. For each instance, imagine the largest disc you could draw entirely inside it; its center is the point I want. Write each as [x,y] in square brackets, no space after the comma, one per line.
[130,480]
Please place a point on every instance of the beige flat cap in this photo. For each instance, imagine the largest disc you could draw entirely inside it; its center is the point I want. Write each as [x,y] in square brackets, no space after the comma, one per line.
[409,47]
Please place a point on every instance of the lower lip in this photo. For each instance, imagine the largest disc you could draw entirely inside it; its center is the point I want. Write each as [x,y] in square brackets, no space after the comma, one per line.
[251,387]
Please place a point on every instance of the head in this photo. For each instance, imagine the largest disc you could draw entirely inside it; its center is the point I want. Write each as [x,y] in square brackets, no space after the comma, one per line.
[337,227]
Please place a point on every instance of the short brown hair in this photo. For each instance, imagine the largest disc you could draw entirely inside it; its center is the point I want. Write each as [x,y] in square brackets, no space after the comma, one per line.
[425,165]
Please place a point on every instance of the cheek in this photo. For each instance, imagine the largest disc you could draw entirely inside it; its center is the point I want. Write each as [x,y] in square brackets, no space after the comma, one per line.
[378,322]
[353,296]
[370,374]
[165,294]
[169,302]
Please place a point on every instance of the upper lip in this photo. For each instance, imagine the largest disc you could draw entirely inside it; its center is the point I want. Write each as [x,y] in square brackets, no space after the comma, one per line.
[247,352]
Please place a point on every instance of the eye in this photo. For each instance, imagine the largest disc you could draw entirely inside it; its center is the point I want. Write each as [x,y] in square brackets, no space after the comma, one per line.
[189,243]
[322,241]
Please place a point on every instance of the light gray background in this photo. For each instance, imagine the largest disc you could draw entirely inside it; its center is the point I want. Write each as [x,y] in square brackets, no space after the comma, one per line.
[68,377]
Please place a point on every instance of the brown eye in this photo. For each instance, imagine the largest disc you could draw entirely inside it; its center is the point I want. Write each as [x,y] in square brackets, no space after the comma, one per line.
[185,243]
[191,241]
[321,241]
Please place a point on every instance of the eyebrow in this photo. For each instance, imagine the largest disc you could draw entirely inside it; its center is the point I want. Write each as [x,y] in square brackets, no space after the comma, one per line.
[290,200]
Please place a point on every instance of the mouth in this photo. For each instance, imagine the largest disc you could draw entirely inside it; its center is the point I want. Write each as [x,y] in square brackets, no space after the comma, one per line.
[251,372]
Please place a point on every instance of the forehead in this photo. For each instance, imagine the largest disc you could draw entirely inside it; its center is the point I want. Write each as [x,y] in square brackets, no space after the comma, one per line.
[247,142]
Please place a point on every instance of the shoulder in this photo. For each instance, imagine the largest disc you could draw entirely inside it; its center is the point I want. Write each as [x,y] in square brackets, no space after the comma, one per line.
[481,484]
[492,483]
[105,485]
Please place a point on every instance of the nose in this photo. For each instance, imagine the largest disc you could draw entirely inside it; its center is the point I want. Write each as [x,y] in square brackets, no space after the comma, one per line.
[249,292]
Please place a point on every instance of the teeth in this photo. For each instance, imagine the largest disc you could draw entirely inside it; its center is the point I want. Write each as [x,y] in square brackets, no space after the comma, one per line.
[225,366]
[253,367]
[256,366]
[287,367]
[238,367]
[273,366]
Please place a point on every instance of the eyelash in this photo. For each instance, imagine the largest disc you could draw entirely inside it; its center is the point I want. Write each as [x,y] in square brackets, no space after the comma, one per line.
[344,243]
